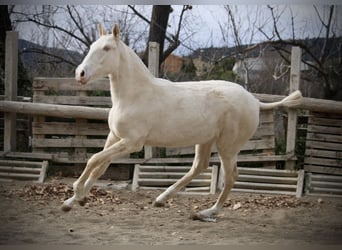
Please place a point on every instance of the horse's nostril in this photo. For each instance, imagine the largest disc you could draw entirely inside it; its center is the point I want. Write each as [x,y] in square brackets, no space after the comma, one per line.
[82,73]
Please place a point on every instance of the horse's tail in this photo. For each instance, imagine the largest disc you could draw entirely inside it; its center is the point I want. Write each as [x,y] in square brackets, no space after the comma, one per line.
[293,100]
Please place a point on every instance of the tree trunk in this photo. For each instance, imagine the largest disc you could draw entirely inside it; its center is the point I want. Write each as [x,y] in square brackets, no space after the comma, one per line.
[159,21]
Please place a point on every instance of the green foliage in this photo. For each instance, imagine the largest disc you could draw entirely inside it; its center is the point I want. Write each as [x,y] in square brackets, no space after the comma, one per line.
[222,70]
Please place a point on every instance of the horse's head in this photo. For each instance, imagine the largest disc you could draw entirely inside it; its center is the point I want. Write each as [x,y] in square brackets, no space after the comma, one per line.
[102,58]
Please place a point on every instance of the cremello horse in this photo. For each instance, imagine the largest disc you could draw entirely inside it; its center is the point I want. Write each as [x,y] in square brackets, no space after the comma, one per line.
[151,111]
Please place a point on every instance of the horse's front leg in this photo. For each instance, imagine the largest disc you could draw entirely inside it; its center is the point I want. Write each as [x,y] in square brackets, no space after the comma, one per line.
[96,166]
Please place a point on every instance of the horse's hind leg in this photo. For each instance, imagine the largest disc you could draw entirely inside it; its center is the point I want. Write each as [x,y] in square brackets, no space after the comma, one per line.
[230,174]
[201,162]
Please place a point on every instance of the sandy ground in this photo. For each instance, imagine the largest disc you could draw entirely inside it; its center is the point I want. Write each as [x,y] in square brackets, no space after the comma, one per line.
[30,214]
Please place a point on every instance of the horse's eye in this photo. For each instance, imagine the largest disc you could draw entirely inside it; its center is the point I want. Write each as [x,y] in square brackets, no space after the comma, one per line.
[106,48]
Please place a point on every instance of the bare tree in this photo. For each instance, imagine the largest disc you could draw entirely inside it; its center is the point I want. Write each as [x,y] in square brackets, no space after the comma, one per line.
[158,29]
[242,31]
[320,54]
[74,28]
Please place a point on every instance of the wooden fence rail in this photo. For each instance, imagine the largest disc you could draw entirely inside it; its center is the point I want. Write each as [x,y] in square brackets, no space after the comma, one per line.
[68,111]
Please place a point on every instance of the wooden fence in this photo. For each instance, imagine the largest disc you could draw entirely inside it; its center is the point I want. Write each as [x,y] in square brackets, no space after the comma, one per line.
[69,140]
[81,128]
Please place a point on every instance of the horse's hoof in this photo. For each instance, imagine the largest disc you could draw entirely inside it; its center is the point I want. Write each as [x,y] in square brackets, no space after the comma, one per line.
[201,217]
[82,202]
[159,204]
[65,208]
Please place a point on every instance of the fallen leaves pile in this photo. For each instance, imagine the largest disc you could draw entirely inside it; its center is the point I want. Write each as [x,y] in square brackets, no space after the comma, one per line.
[55,190]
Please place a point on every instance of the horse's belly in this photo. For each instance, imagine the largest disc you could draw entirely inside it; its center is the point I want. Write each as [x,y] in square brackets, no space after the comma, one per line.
[182,133]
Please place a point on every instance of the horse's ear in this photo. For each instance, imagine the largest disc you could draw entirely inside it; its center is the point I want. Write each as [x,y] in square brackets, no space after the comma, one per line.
[116,31]
[101,30]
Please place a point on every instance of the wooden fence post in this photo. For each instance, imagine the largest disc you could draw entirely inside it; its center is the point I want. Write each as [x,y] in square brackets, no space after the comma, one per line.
[11,76]
[296,59]
[153,66]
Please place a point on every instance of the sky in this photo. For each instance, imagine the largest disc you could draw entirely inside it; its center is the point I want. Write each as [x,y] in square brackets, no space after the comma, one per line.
[207,25]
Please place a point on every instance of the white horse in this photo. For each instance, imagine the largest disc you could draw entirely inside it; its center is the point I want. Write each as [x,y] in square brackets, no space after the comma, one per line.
[151,111]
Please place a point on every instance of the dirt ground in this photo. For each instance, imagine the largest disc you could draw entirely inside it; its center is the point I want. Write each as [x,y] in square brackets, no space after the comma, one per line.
[30,214]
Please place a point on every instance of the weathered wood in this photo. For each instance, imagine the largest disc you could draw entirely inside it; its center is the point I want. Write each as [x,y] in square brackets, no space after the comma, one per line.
[64,111]
[324,137]
[27,155]
[43,171]
[323,153]
[69,84]
[19,169]
[323,162]
[267,179]
[300,183]
[157,177]
[11,75]
[250,145]
[70,128]
[296,59]
[330,122]
[324,129]
[68,142]
[311,104]
[153,66]
[323,185]
[18,176]
[24,170]
[264,186]
[323,169]
[75,100]
[324,145]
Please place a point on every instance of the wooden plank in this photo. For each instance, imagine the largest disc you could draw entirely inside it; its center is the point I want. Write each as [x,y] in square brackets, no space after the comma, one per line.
[323,153]
[323,169]
[266,130]
[322,177]
[26,155]
[214,179]
[68,142]
[326,190]
[324,145]
[330,122]
[167,169]
[250,145]
[311,104]
[20,163]
[170,175]
[300,183]
[267,179]
[267,172]
[323,162]
[324,129]
[57,84]
[43,171]
[104,101]
[18,175]
[69,128]
[324,137]
[261,191]
[54,110]
[168,182]
[326,184]
[296,58]
[272,186]
[19,169]
[135,183]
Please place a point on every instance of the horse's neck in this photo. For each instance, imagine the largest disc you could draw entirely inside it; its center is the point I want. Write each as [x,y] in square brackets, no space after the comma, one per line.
[133,77]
